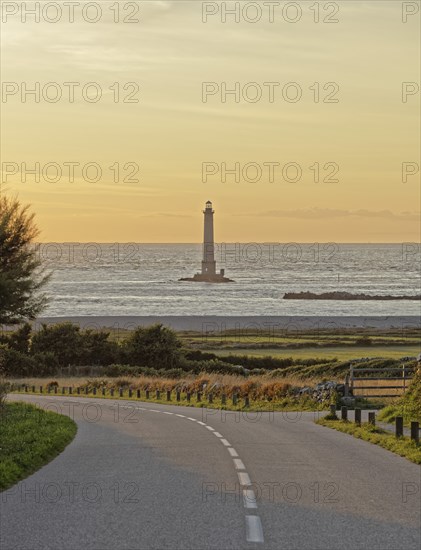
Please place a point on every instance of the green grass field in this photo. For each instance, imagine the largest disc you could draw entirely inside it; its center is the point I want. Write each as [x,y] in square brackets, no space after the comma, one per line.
[341,353]
[30,437]
[402,446]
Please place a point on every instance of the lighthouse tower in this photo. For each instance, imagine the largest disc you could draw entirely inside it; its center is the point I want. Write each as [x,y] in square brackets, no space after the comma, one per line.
[208,262]
[208,273]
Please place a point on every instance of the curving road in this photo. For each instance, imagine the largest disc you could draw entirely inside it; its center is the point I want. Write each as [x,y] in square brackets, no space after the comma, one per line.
[142,476]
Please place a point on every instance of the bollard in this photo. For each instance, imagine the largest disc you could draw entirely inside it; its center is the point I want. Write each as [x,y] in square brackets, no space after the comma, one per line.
[147,394]
[199,396]
[223,399]
[86,390]
[26,389]
[112,392]
[188,396]
[234,398]
[399,426]
[415,431]
[168,395]
[62,390]
[246,401]
[103,391]
[210,398]
[333,410]
[344,412]
[138,394]
[55,389]
[78,390]
[372,418]
[178,396]
[121,392]
[130,392]
[357,416]
[48,389]
[40,389]
[33,389]
[94,391]
[70,390]
[158,394]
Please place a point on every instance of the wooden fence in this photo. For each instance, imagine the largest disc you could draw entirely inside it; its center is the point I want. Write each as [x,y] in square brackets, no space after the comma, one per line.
[384,382]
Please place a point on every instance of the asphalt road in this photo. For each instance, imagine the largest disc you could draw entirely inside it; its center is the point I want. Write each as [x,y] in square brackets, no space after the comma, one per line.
[157,477]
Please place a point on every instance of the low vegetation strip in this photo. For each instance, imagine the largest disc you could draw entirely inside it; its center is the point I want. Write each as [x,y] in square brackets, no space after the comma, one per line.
[30,437]
[408,406]
[402,446]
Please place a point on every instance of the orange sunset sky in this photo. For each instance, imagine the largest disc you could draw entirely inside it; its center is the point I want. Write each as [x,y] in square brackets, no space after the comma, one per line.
[171,131]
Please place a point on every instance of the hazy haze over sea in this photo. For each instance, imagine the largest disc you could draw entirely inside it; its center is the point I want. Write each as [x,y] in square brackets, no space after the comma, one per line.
[142,279]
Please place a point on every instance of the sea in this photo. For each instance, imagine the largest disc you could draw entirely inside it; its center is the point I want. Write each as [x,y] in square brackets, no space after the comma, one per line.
[134,279]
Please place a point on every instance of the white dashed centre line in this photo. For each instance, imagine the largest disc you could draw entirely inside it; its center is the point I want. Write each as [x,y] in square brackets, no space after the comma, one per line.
[249,498]
[239,464]
[244,478]
[254,531]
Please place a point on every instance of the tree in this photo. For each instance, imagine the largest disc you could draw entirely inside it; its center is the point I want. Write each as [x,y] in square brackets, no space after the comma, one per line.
[64,340]
[155,346]
[21,274]
[20,340]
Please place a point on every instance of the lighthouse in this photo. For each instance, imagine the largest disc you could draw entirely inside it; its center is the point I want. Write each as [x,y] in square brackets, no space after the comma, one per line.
[208,262]
[208,273]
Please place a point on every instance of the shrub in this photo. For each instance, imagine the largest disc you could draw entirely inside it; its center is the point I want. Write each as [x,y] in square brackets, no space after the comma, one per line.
[155,345]
[16,363]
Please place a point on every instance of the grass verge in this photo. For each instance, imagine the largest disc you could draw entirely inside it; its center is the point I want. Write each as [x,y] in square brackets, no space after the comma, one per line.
[30,437]
[402,446]
[303,404]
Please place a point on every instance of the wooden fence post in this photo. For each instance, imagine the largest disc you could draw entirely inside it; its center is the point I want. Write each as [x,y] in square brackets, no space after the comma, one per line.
[188,396]
[210,398]
[178,395]
[147,394]
[344,412]
[333,410]
[399,426]
[199,396]
[168,395]
[223,399]
[247,401]
[138,394]
[346,385]
[158,394]
[372,418]
[357,416]
[415,431]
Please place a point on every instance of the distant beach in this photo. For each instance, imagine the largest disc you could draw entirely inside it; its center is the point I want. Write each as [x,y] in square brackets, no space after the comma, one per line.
[215,323]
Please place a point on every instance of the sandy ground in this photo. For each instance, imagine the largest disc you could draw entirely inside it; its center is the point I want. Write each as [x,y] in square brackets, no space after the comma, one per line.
[215,324]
